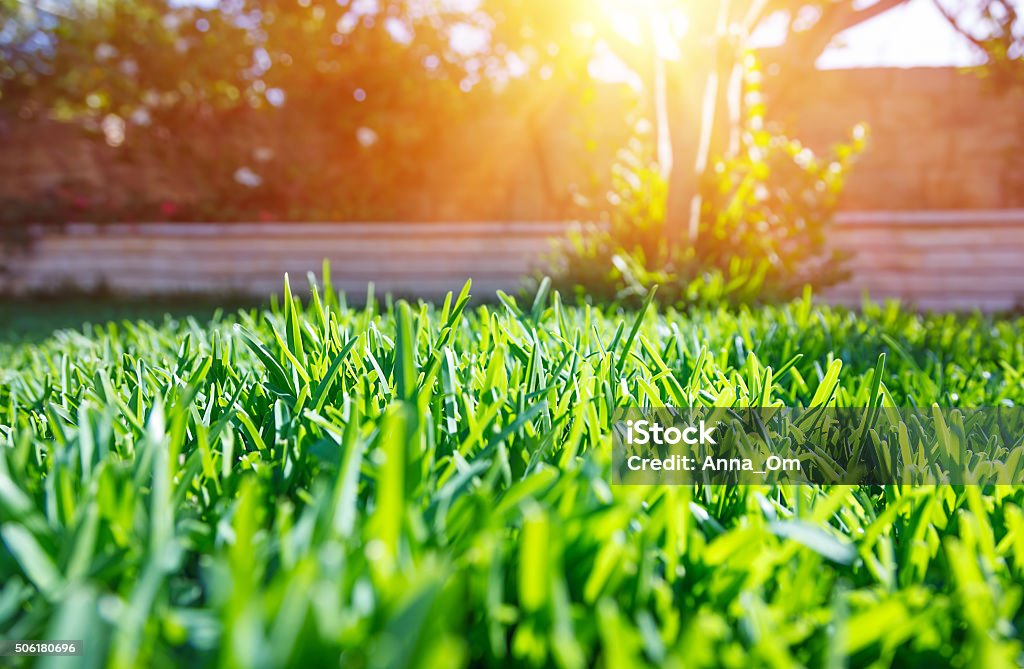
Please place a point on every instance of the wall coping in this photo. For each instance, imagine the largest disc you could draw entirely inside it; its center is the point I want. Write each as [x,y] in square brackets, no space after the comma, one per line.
[897,218]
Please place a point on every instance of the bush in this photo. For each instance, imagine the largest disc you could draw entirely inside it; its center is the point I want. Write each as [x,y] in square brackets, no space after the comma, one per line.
[762,233]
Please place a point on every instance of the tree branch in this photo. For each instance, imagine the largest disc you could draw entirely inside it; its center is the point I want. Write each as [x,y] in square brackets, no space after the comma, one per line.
[868,13]
[804,47]
[957,27]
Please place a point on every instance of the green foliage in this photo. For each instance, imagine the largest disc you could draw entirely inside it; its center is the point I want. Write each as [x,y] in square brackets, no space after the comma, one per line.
[329,110]
[762,233]
[400,485]
[334,108]
[618,252]
[770,206]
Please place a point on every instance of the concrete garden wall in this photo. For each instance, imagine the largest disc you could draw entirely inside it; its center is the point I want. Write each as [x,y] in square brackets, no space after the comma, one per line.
[936,260]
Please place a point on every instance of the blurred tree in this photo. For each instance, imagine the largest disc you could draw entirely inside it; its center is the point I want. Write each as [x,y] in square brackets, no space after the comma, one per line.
[995,28]
[87,59]
[689,55]
[367,88]
[377,86]
[702,106]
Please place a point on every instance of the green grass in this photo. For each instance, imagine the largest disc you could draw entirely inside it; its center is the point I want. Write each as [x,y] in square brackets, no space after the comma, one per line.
[428,486]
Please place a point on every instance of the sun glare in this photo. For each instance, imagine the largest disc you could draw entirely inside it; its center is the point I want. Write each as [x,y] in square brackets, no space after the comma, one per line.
[657,23]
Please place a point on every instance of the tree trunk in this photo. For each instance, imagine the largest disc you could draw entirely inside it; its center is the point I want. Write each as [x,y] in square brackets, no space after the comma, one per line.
[696,98]
[686,93]
[704,90]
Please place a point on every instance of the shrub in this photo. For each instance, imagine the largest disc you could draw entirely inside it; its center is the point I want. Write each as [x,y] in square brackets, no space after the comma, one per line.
[762,233]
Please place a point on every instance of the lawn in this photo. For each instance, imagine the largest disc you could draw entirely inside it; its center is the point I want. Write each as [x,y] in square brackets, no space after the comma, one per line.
[429,485]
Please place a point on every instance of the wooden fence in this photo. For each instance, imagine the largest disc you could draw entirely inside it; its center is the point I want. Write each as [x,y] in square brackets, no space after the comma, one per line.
[937,259]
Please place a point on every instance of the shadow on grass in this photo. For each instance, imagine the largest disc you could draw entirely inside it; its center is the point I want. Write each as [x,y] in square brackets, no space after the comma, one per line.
[32,320]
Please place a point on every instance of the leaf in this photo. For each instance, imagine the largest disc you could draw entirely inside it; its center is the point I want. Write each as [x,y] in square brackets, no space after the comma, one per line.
[534,565]
[816,539]
[35,562]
